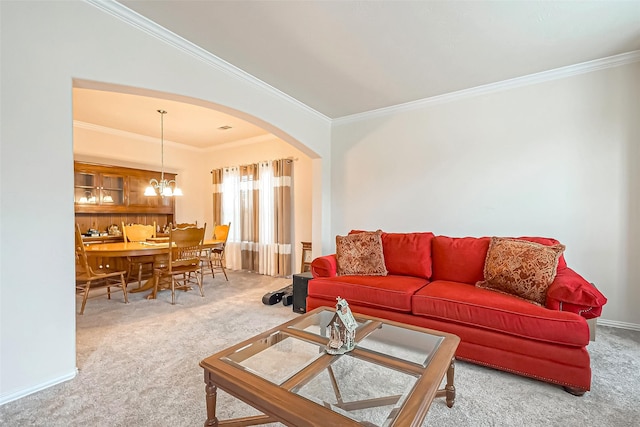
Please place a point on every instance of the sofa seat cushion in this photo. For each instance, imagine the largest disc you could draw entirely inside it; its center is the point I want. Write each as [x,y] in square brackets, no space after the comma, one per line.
[466,304]
[388,292]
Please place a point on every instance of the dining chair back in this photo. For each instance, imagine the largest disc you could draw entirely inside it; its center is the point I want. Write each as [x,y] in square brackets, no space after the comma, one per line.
[221,232]
[213,260]
[138,233]
[88,278]
[186,224]
[184,259]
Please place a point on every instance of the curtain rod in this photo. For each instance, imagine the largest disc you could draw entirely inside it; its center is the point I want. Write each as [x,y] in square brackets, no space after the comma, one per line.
[290,159]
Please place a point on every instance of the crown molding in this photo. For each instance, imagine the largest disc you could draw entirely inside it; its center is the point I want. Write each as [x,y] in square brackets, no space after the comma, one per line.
[142,23]
[138,21]
[130,135]
[153,140]
[544,76]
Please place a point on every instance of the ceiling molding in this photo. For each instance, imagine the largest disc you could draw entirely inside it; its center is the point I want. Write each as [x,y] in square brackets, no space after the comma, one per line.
[130,135]
[545,76]
[153,140]
[144,24]
[136,20]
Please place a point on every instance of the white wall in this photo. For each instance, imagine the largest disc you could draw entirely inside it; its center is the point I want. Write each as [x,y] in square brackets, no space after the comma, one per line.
[557,159]
[45,46]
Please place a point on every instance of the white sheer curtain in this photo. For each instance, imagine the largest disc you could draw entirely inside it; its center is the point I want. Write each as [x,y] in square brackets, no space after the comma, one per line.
[267,248]
[230,188]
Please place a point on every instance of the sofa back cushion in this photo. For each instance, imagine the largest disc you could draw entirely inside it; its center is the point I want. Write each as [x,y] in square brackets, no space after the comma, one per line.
[406,254]
[459,259]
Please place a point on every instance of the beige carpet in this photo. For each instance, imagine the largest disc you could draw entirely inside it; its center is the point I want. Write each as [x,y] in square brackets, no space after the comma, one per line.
[138,366]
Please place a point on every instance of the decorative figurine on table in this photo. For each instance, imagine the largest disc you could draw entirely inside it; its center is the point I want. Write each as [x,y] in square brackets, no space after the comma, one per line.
[113,230]
[342,329]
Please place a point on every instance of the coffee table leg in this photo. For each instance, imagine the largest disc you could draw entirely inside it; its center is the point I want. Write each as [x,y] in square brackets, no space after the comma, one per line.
[212,392]
[450,388]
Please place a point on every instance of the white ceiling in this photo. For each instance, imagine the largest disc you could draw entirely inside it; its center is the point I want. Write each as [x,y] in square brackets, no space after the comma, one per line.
[348,57]
[186,124]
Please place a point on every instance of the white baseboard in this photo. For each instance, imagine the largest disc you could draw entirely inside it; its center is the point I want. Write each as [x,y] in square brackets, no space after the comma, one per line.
[22,393]
[616,324]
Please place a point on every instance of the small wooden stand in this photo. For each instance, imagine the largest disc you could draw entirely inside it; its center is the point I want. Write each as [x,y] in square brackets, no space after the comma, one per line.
[306,257]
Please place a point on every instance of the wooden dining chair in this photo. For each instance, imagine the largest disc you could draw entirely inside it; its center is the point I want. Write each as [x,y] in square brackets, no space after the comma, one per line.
[88,278]
[213,259]
[138,233]
[186,224]
[184,259]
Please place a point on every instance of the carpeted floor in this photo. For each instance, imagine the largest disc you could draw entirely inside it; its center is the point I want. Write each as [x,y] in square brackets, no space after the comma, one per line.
[138,366]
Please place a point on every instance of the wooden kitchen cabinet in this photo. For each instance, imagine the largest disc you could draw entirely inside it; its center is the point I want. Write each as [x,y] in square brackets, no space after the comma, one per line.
[141,203]
[93,189]
[105,195]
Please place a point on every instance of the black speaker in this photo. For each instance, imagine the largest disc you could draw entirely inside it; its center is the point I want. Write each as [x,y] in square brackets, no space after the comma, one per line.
[300,282]
[287,299]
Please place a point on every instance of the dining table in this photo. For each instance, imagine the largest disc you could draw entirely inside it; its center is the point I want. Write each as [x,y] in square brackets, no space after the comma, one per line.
[155,247]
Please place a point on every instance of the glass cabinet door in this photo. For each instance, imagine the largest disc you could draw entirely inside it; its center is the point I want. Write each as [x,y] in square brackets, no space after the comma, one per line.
[112,190]
[86,188]
[93,189]
[105,189]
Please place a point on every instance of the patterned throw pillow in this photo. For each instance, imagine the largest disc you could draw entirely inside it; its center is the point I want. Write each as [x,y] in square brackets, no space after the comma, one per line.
[521,268]
[360,254]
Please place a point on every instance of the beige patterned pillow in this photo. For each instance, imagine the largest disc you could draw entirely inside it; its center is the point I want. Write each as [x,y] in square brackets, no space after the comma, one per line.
[521,268]
[360,254]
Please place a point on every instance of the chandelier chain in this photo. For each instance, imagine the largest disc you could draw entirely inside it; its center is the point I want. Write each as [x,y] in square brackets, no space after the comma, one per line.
[162,188]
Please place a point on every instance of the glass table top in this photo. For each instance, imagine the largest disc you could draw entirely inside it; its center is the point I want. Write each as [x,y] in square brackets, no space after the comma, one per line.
[401,343]
[368,384]
[277,357]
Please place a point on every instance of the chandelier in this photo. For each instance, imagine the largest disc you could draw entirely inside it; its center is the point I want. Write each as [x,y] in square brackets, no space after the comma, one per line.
[163,187]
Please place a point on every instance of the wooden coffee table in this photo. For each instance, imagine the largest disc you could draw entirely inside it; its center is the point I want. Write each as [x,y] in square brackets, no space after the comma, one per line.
[389,379]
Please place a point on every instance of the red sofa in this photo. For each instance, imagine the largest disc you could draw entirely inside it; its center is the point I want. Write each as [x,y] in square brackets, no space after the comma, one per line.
[431,283]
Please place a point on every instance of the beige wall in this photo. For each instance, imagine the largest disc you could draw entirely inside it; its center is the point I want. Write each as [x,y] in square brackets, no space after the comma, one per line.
[194,166]
[557,159]
[272,148]
[100,147]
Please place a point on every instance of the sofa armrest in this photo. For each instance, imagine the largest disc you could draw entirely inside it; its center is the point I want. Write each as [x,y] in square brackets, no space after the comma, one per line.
[324,266]
[571,292]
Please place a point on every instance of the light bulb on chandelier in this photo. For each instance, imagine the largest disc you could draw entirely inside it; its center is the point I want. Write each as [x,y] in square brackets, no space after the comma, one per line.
[162,188]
